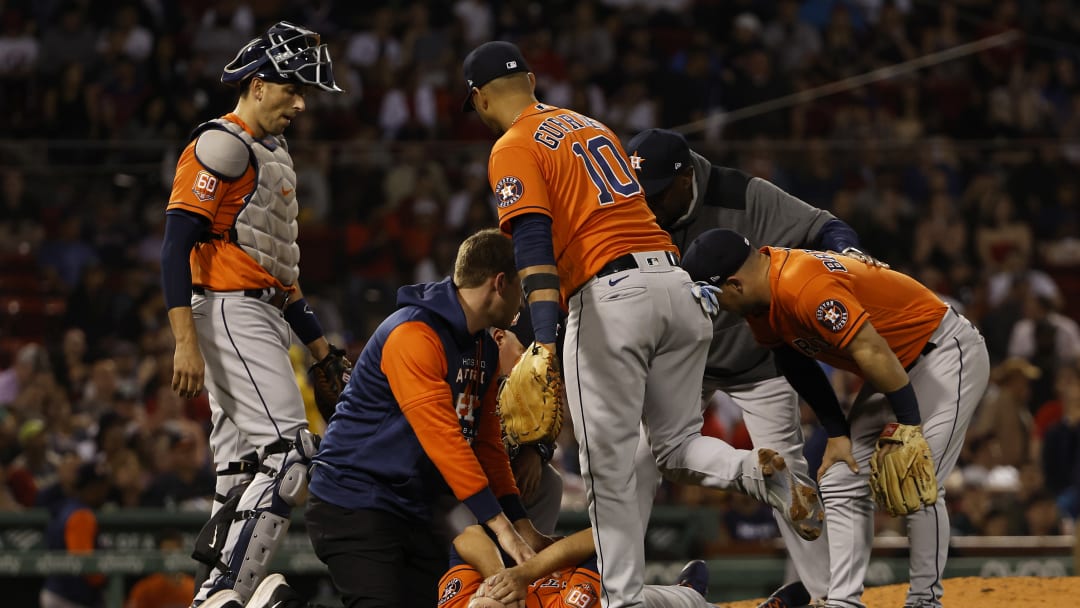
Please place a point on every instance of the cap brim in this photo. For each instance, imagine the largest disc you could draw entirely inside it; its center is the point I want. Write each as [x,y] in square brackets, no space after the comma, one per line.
[466,106]
[656,185]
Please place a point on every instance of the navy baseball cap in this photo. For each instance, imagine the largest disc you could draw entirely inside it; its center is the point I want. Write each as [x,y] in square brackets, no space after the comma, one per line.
[657,155]
[715,255]
[487,62]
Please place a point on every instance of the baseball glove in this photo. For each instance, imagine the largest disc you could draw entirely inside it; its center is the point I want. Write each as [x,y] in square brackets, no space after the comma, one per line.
[531,399]
[903,480]
[328,378]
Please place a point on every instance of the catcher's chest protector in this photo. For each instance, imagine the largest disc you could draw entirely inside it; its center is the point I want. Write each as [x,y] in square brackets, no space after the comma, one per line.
[266,227]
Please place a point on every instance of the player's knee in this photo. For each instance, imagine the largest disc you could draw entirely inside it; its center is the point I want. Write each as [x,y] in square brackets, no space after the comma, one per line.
[838,482]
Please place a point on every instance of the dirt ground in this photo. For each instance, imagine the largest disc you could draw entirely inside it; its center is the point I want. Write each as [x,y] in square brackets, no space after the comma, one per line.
[975,592]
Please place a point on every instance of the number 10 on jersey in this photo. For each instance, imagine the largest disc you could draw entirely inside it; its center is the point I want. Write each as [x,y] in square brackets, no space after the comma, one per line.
[598,154]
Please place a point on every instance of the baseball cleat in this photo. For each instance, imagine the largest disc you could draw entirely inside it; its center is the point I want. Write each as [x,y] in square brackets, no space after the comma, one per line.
[792,595]
[226,598]
[695,575]
[274,592]
[767,478]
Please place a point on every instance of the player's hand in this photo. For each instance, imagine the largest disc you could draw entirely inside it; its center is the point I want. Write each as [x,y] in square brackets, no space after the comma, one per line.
[188,370]
[511,542]
[838,449]
[527,469]
[869,260]
[507,586]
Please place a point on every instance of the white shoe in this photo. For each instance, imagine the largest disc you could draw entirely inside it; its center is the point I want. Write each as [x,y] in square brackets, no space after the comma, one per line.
[226,598]
[274,592]
[767,478]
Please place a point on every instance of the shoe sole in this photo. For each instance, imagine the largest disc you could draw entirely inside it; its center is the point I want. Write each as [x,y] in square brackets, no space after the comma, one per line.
[223,599]
[803,505]
[265,590]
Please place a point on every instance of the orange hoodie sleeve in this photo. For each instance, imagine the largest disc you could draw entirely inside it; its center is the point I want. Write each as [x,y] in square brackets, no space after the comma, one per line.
[490,449]
[415,365]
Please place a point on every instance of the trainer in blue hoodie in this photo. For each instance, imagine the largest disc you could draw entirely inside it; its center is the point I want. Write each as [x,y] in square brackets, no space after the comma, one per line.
[416,423]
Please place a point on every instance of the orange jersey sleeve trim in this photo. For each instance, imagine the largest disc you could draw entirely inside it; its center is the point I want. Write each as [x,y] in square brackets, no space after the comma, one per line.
[415,366]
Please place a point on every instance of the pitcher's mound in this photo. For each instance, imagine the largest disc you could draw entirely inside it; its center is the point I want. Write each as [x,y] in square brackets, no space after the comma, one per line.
[975,592]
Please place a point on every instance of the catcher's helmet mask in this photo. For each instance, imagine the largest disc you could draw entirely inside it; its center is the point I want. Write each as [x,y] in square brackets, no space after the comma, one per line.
[286,53]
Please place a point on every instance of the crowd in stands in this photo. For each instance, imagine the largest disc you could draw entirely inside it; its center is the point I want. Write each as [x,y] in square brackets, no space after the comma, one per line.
[962,174]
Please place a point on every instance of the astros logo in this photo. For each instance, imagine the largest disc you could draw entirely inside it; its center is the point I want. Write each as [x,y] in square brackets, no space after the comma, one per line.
[832,315]
[452,589]
[509,190]
[635,162]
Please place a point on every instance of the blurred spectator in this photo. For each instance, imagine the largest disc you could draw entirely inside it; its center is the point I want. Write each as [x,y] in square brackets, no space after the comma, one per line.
[187,482]
[73,528]
[1043,324]
[794,42]
[30,361]
[1061,446]
[163,589]
[70,40]
[37,458]
[1005,412]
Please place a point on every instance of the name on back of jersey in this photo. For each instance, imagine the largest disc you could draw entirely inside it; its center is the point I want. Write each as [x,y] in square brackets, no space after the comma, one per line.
[551,131]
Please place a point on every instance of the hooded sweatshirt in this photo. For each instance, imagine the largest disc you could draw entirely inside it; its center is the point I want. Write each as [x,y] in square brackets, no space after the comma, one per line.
[417,419]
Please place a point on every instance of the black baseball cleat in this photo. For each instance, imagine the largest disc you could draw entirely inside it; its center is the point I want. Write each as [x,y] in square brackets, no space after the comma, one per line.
[226,598]
[274,592]
[791,595]
[695,575]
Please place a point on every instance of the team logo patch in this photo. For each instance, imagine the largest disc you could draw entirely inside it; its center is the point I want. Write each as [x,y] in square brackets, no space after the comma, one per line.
[452,588]
[509,190]
[205,186]
[832,315]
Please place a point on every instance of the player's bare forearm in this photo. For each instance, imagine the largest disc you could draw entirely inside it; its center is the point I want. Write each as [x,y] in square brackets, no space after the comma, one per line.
[188,365]
[876,361]
[478,550]
[563,553]
[509,539]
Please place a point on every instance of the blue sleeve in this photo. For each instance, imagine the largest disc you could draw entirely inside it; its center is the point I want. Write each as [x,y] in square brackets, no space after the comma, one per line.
[809,380]
[532,240]
[533,247]
[182,230]
[836,235]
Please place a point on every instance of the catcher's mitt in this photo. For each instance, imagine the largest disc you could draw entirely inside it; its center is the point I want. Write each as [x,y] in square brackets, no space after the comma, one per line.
[903,480]
[328,378]
[531,398]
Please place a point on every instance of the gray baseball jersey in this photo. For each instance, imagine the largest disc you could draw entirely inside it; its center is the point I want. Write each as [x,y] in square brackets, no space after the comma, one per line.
[737,365]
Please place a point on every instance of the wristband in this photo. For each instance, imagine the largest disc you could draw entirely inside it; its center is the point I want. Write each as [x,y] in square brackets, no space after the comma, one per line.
[905,405]
[303,321]
[545,316]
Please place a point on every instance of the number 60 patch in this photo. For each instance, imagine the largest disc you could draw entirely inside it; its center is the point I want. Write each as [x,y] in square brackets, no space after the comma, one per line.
[205,187]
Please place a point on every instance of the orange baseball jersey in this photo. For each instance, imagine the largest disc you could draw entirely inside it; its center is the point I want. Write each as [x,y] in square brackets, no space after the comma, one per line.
[820,300]
[571,588]
[218,265]
[161,590]
[573,169]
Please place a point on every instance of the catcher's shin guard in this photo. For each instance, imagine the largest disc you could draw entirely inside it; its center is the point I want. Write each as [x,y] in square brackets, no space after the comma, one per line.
[265,526]
[231,483]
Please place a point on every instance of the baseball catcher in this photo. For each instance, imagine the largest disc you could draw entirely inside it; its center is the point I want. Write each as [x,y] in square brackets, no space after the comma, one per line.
[531,399]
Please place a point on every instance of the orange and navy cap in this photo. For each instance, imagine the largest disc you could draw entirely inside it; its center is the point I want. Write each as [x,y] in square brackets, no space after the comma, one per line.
[657,155]
[487,62]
